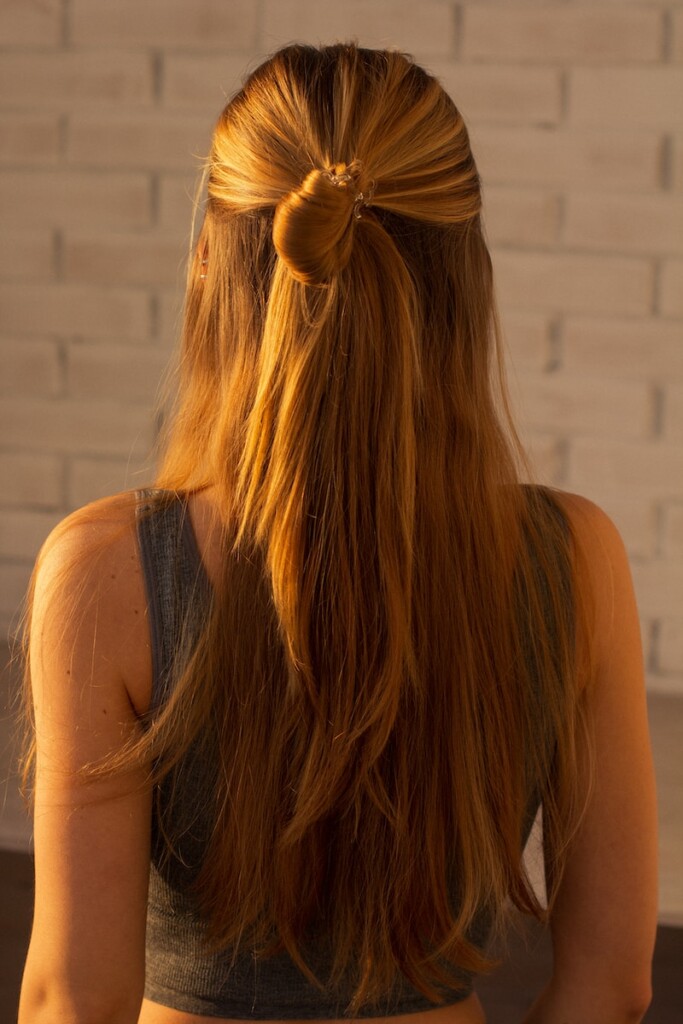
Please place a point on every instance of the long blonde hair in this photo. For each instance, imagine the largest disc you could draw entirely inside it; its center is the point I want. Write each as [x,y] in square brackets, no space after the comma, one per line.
[388,671]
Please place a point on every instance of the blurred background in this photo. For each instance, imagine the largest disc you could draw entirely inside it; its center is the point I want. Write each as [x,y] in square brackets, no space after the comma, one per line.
[575,110]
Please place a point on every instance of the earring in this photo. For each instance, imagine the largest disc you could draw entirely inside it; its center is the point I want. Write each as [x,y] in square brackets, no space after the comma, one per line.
[202,276]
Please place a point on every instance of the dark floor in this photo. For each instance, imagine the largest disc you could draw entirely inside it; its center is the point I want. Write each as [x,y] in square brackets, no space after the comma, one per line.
[505,995]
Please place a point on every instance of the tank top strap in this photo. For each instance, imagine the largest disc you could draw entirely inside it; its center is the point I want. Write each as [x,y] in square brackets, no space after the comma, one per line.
[177,587]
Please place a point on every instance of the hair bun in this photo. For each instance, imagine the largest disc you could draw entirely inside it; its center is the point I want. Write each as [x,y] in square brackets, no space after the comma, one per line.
[313,225]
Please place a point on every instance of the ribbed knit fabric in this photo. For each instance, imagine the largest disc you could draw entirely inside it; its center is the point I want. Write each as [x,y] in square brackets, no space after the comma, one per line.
[180,973]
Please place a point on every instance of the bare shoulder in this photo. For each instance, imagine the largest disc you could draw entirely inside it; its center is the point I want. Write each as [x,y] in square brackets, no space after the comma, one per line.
[604,918]
[88,659]
[602,568]
[103,526]
[89,594]
[590,523]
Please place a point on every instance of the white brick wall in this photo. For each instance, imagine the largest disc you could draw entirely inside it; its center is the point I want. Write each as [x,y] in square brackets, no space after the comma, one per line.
[576,114]
[74,309]
[75,79]
[165,24]
[31,481]
[74,199]
[427,28]
[671,294]
[575,33]
[27,137]
[644,98]
[27,255]
[568,158]
[31,23]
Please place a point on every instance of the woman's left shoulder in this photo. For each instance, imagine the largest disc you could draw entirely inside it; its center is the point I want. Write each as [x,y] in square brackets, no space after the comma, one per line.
[101,527]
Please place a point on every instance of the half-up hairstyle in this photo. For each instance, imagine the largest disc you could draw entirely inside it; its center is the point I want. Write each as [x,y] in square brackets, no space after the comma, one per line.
[388,671]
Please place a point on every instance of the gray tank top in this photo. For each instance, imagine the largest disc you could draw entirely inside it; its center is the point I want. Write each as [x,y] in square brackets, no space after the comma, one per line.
[180,971]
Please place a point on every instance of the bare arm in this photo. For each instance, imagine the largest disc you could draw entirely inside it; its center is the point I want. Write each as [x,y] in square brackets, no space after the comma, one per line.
[86,955]
[604,921]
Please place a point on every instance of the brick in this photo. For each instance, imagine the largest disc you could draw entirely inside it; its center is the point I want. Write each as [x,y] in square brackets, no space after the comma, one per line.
[30,368]
[74,310]
[526,340]
[567,158]
[659,587]
[31,22]
[673,415]
[660,687]
[72,78]
[170,317]
[488,92]
[32,481]
[622,223]
[177,195]
[671,288]
[653,470]
[14,580]
[673,531]
[677,161]
[647,630]
[573,283]
[544,452]
[671,645]
[584,406]
[521,217]
[136,141]
[75,427]
[22,533]
[167,24]
[426,29]
[27,256]
[90,479]
[202,81]
[638,97]
[28,138]
[137,259]
[667,685]
[633,349]
[76,199]
[116,372]
[677,36]
[579,33]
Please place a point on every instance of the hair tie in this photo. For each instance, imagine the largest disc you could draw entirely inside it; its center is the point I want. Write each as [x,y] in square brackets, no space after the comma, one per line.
[342,179]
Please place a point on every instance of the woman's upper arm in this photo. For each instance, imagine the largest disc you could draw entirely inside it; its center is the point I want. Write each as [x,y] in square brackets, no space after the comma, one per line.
[604,920]
[92,841]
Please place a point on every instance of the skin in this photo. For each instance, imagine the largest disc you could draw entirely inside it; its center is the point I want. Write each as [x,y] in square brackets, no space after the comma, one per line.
[91,671]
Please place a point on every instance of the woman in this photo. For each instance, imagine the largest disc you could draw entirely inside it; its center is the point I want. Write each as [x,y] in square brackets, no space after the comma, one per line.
[323,676]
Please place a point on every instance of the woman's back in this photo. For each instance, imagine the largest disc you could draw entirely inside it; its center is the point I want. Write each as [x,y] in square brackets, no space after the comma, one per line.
[402,650]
